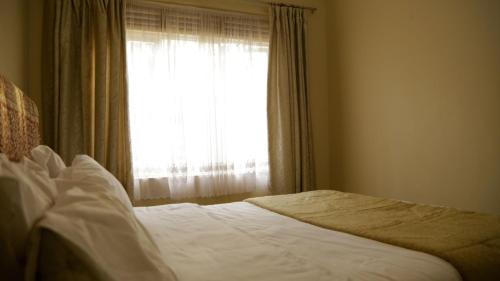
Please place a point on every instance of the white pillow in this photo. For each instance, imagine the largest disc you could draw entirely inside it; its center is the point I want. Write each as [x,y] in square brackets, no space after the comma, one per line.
[104,235]
[89,175]
[26,192]
[48,159]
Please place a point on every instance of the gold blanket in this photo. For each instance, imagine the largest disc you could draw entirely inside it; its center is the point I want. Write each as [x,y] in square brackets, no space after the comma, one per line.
[469,241]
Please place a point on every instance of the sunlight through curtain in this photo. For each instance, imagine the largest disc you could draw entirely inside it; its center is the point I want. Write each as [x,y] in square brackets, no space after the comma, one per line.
[197,92]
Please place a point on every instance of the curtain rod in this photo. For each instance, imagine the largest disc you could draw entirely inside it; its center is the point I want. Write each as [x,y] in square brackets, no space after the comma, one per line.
[176,3]
[312,9]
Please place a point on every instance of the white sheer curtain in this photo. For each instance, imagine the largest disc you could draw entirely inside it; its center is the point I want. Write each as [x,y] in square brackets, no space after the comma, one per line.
[198,102]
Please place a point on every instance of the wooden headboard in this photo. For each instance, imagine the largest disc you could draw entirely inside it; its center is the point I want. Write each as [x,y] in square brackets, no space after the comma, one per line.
[18,121]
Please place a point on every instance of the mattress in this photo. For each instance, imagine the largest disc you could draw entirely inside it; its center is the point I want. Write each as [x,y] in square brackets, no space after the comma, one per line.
[240,241]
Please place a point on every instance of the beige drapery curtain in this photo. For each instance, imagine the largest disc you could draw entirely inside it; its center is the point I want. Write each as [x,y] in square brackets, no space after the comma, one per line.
[85,91]
[290,143]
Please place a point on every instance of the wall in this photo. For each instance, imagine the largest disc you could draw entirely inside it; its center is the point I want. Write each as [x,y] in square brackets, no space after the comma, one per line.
[34,34]
[21,47]
[415,100]
[13,46]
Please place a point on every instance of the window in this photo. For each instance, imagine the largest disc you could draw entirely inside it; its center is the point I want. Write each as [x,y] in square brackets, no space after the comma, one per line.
[197,101]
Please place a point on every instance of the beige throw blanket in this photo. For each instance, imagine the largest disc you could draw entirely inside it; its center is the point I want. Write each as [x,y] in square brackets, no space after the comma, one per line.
[470,241]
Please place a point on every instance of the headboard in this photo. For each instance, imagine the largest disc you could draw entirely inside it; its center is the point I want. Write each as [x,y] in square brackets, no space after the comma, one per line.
[18,121]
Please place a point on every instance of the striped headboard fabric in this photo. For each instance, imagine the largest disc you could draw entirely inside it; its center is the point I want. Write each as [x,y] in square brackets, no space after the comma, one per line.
[18,121]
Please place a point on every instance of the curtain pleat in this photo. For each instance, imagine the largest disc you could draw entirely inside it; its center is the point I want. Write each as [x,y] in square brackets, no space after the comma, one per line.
[85,92]
[290,143]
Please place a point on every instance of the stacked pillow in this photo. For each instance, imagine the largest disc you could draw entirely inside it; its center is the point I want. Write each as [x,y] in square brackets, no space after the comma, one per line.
[90,176]
[79,221]
[26,193]
[48,160]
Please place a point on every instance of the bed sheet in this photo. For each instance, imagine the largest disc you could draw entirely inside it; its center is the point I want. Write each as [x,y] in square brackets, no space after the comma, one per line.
[240,241]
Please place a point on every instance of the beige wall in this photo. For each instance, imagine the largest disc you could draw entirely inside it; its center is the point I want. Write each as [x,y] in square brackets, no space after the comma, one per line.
[13,46]
[21,44]
[415,100]
[34,55]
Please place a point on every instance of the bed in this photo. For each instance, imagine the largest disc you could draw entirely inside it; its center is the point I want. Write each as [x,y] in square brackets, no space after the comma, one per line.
[319,235]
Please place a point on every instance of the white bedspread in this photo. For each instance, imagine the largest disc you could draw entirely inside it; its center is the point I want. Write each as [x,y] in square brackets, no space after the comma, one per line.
[240,241]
